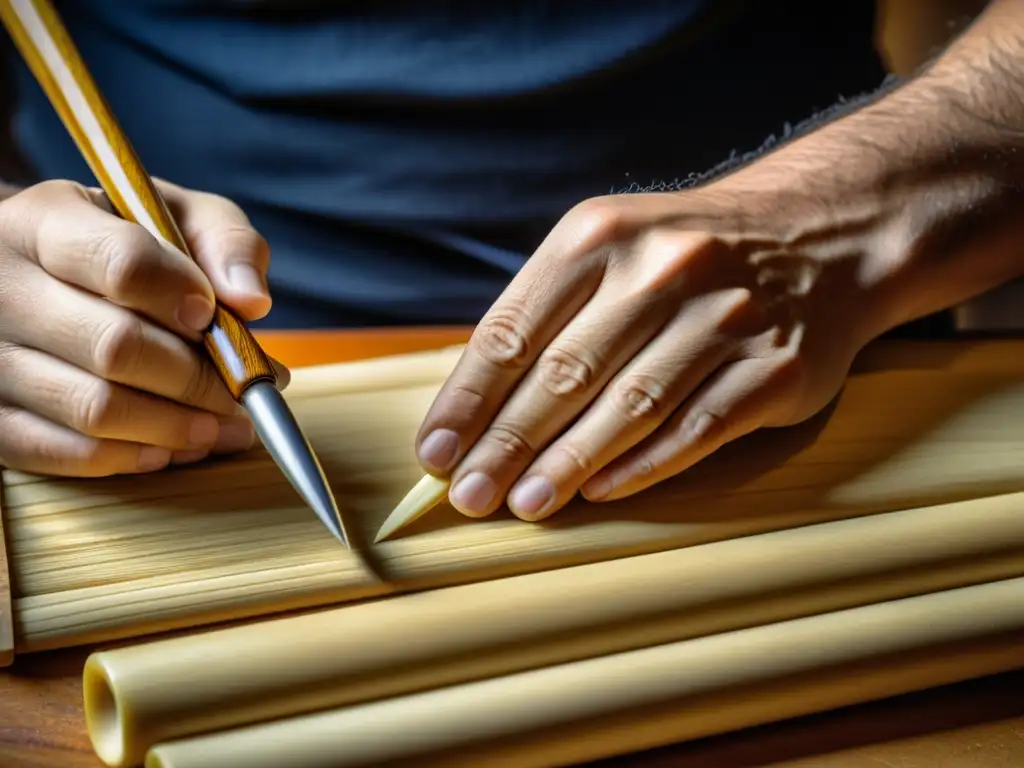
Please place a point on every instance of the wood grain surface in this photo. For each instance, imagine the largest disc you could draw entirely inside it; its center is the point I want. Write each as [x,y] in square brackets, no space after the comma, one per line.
[978,724]
[51,55]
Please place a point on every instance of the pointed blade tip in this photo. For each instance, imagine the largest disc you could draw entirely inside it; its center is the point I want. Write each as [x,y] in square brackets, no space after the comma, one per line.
[328,514]
[423,497]
[385,532]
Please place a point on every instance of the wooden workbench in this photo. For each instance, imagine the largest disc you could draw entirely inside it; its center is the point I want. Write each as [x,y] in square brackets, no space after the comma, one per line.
[979,724]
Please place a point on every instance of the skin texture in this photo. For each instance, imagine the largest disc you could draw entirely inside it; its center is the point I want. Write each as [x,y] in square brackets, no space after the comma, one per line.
[100,372]
[649,330]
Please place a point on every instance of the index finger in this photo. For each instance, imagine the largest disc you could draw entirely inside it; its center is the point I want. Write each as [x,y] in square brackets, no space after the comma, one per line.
[542,298]
[80,243]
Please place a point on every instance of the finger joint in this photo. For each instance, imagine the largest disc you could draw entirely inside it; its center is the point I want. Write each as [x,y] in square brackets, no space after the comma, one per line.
[512,443]
[579,459]
[643,467]
[641,399]
[200,387]
[501,338]
[564,372]
[118,347]
[122,254]
[705,425]
[470,398]
[594,223]
[94,408]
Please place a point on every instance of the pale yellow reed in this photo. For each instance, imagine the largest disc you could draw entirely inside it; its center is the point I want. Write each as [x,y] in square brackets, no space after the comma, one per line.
[93,560]
[158,691]
[621,703]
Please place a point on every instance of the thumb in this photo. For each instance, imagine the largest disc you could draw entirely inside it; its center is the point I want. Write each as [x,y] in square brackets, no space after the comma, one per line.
[232,254]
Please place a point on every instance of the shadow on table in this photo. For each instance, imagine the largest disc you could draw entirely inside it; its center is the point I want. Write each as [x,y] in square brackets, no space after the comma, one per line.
[922,714]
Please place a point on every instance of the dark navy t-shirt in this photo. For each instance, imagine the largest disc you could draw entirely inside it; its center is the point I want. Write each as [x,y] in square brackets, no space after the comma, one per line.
[404,157]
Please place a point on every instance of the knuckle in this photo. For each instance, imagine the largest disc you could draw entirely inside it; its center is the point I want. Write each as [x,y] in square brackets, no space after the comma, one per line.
[790,369]
[565,372]
[739,314]
[679,248]
[738,302]
[46,193]
[501,338]
[704,424]
[643,467]
[469,397]
[594,223]
[122,254]
[694,261]
[57,186]
[118,347]
[512,444]
[577,458]
[38,208]
[667,245]
[667,257]
[94,407]
[641,399]
[201,386]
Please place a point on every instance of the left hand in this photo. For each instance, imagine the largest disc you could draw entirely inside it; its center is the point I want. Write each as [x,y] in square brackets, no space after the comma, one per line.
[647,331]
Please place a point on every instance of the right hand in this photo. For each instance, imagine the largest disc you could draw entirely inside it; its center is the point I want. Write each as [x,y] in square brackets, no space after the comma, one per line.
[101,369]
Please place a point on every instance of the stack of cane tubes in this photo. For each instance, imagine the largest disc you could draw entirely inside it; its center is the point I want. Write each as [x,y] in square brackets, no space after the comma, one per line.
[578,663]
[406,677]
[94,561]
[603,706]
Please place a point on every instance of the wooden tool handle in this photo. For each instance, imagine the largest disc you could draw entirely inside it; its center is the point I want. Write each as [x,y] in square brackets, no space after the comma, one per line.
[53,58]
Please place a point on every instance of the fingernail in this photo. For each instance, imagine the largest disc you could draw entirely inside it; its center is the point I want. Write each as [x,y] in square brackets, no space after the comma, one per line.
[203,432]
[152,458]
[235,435]
[530,498]
[596,488]
[473,494]
[440,449]
[195,312]
[245,279]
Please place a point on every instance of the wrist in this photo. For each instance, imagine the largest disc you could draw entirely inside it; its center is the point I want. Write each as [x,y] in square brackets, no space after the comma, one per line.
[923,193]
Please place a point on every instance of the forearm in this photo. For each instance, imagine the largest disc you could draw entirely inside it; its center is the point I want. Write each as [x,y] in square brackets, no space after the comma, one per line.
[928,179]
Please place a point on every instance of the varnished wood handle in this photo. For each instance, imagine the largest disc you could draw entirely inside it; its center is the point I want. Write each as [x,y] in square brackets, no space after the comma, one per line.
[53,58]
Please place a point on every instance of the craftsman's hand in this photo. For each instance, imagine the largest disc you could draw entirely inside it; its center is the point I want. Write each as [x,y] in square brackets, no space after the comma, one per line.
[646,332]
[101,371]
